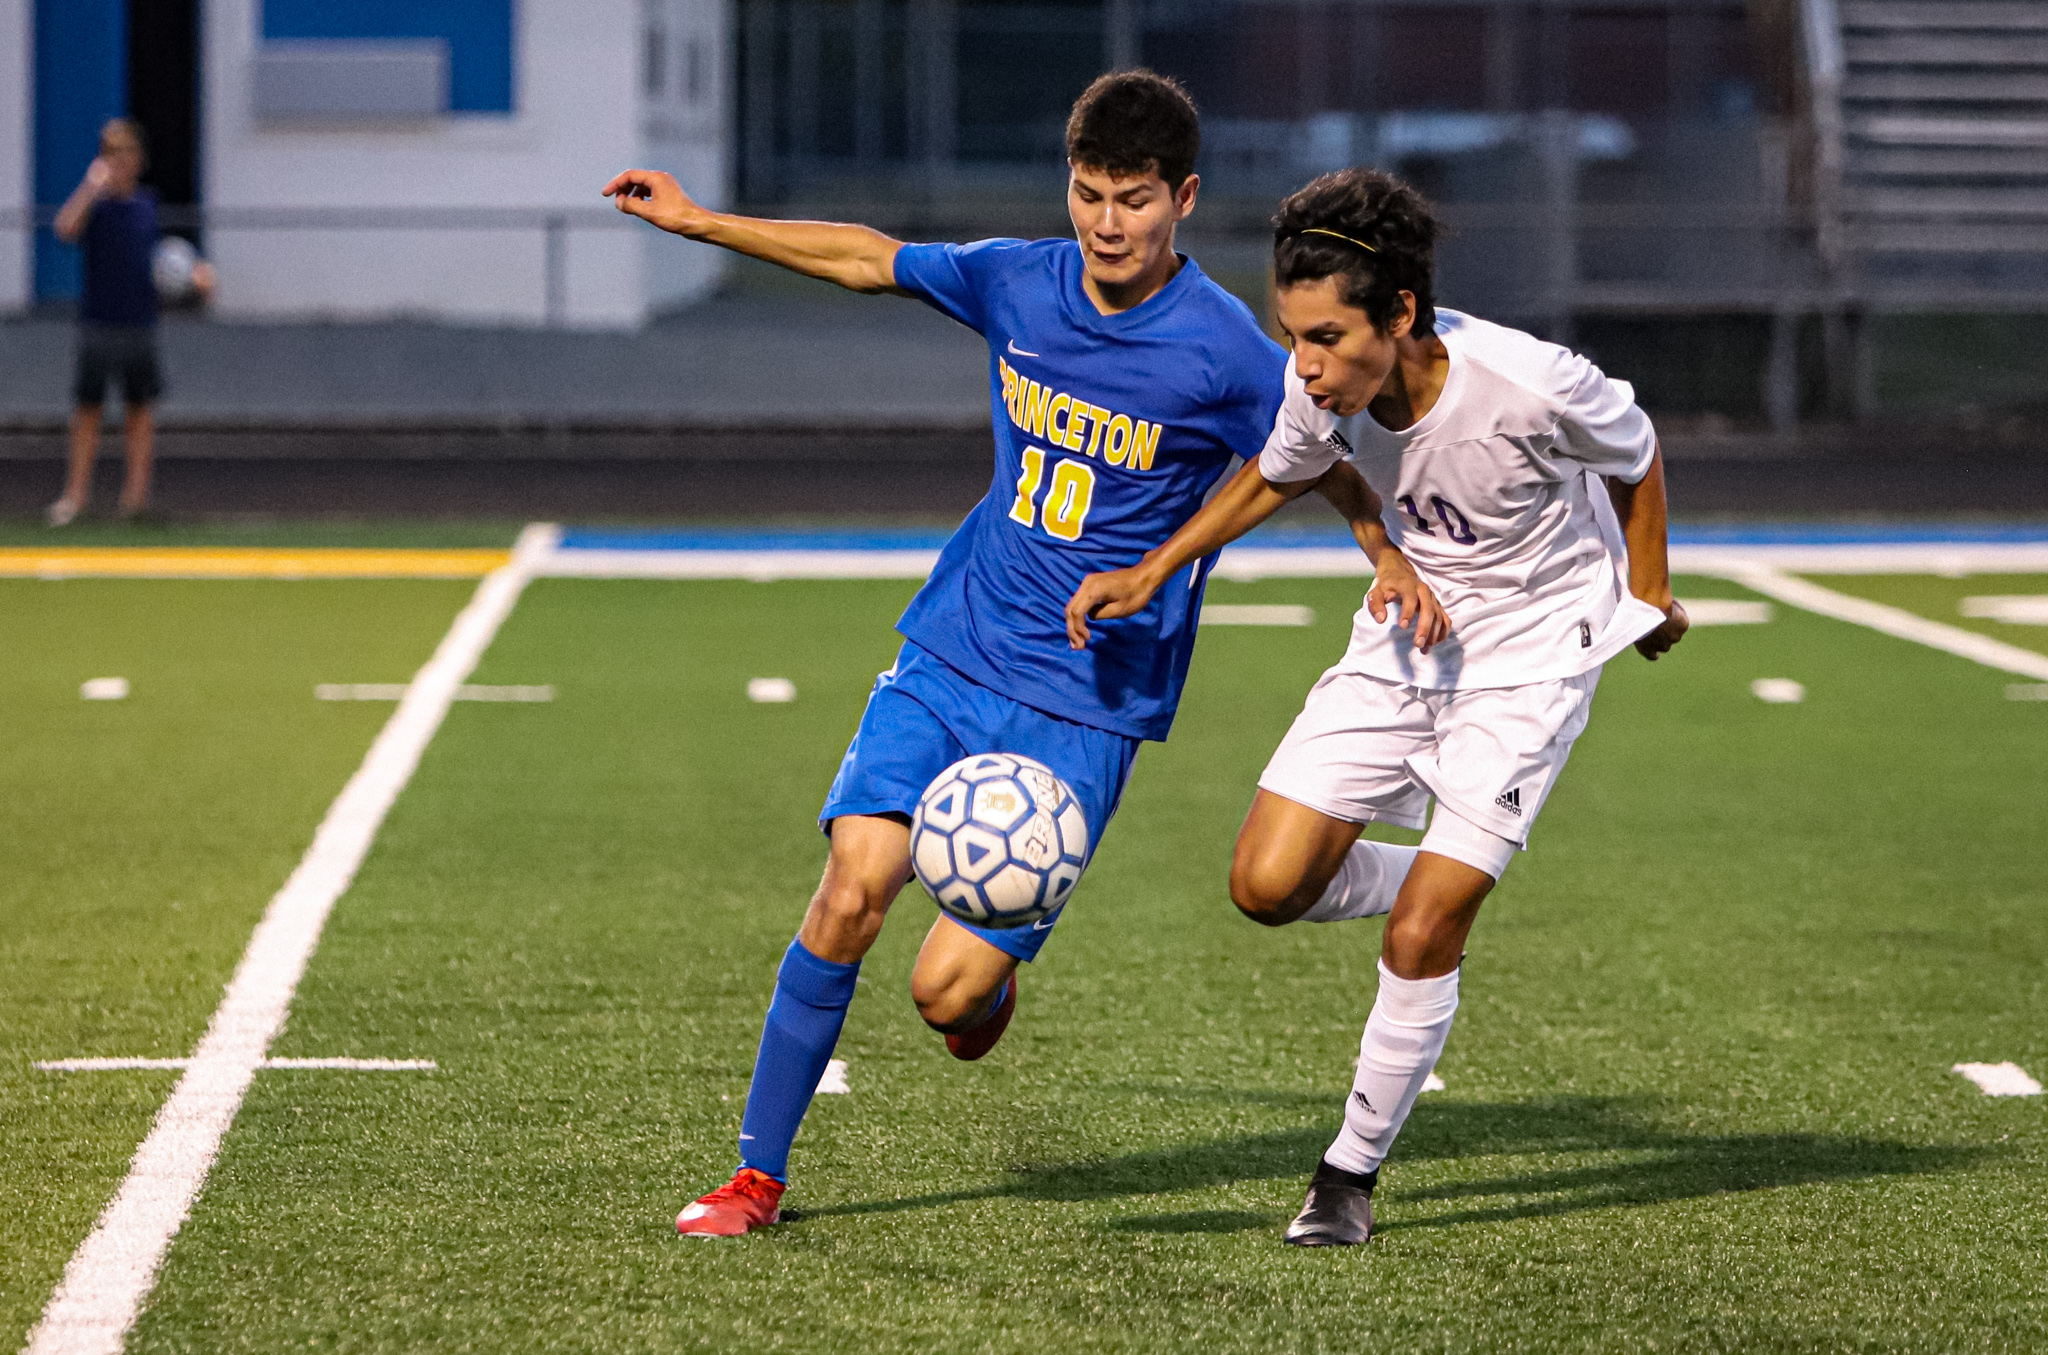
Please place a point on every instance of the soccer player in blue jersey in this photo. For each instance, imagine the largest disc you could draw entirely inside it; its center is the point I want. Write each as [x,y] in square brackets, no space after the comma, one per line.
[1122,384]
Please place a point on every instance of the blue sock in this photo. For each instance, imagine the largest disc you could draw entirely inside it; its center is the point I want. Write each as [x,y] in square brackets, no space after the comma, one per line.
[811,997]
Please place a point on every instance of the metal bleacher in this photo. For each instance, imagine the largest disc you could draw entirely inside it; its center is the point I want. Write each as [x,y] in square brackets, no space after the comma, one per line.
[1943,157]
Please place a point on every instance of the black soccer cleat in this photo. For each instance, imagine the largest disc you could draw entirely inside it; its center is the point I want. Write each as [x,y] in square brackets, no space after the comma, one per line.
[1338,1211]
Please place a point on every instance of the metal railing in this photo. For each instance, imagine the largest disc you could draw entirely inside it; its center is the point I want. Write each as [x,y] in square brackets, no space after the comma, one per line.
[553,225]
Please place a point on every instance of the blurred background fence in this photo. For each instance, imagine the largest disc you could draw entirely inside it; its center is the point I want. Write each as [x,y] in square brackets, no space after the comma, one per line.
[1731,191]
[1769,214]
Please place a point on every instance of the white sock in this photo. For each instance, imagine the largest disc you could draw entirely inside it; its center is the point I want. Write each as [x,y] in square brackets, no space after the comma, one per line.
[1366,884]
[1410,1021]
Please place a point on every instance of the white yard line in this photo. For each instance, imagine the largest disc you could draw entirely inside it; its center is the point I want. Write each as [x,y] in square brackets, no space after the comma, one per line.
[1809,596]
[358,1065]
[114,1269]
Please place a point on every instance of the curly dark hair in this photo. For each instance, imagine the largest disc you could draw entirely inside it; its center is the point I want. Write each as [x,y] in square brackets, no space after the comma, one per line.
[1369,208]
[1136,122]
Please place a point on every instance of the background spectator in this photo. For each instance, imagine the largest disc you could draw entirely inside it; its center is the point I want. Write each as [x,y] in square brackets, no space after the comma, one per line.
[114,218]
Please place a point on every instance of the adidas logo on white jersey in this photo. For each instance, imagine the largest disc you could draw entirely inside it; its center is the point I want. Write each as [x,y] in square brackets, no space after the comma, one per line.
[1511,801]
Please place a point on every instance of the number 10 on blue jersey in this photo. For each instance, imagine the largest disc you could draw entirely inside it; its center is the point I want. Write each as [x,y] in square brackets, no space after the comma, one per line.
[1066,502]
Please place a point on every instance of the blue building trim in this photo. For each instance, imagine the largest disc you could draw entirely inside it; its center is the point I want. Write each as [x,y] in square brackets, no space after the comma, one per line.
[81,75]
[479,34]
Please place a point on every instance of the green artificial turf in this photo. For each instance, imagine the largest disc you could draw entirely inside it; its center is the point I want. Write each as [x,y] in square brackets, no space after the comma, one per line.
[143,838]
[1699,1090]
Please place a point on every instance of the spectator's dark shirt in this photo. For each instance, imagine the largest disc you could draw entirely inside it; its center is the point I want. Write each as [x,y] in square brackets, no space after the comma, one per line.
[119,241]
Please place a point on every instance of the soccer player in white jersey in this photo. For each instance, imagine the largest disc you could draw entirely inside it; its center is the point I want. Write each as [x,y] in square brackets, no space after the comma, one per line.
[1527,490]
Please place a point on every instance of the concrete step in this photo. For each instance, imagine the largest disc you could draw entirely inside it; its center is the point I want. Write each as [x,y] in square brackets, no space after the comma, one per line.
[1918,86]
[1959,238]
[1959,163]
[1990,15]
[1944,202]
[1915,47]
[1975,133]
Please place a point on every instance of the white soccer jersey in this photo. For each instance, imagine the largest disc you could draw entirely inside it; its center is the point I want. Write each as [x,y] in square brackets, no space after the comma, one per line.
[1493,497]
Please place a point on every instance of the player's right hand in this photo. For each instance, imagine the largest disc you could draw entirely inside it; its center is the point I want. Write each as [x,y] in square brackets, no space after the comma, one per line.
[1107,596]
[98,174]
[1396,584]
[655,197]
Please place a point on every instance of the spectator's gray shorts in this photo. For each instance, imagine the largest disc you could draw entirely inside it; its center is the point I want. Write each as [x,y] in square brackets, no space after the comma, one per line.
[121,354]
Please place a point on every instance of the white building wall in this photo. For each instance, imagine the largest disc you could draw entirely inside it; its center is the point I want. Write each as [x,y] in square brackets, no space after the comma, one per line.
[17,151]
[575,124]
[685,121]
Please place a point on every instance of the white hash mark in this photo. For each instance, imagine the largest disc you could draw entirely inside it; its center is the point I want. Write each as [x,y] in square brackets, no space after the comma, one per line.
[1999,1079]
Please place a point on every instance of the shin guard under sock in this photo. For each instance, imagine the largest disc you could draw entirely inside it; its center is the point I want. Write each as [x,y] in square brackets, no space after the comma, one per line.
[1410,1021]
[811,997]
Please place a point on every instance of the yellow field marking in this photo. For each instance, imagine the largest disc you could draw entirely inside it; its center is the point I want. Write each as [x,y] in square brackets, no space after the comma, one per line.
[243,562]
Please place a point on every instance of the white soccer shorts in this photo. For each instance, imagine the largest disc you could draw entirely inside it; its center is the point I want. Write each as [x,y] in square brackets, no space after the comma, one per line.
[1365,750]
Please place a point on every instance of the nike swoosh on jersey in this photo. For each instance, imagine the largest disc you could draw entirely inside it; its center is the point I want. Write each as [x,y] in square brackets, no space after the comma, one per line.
[1020,352]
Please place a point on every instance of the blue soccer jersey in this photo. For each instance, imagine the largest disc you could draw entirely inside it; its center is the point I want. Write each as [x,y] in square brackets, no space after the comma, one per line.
[1109,431]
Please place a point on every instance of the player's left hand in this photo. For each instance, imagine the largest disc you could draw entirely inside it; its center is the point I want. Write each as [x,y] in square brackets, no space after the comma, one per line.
[1660,640]
[1107,596]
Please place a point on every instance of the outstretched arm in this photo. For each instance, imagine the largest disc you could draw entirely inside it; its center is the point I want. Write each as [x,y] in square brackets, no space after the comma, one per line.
[1641,508]
[1249,499]
[854,257]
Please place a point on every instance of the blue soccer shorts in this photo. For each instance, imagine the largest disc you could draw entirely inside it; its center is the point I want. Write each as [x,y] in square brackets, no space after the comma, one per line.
[925,715]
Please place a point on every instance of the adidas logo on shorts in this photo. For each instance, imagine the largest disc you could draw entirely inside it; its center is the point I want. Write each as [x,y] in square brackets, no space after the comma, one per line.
[1511,801]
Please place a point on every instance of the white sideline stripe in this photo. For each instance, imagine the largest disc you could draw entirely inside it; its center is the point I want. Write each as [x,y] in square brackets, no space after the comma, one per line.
[124,1065]
[1999,1079]
[1778,691]
[1927,557]
[832,1082]
[1242,614]
[113,1270]
[1246,563]
[1433,1083]
[2027,691]
[359,1065]
[395,691]
[739,564]
[1891,621]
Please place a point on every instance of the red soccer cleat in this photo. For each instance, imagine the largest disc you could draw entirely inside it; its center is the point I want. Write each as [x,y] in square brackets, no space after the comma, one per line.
[970,1045]
[750,1200]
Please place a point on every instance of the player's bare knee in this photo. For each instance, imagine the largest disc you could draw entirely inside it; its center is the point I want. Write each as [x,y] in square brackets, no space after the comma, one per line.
[1421,946]
[1267,895]
[847,909]
[946,999]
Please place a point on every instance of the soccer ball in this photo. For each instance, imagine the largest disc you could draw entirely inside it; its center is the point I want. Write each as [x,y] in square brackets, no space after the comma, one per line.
[174,267]
[999,840]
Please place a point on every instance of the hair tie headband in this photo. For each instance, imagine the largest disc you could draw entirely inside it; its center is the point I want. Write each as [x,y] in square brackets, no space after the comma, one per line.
[1338,235]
